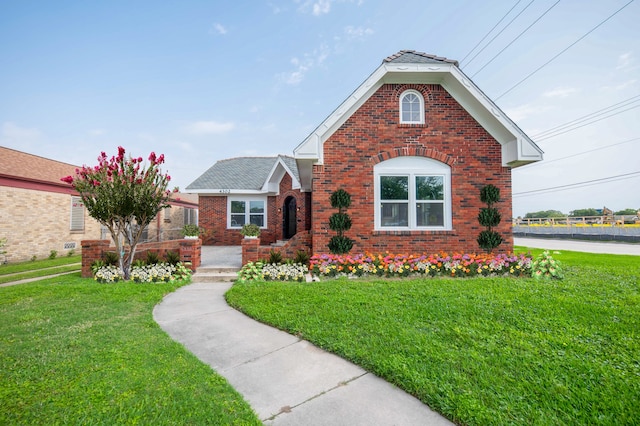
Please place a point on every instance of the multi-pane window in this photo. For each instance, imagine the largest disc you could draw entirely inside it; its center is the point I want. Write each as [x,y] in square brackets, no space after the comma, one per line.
[190,216]
[77,214]
[247,211]
[412,193]
[411,107]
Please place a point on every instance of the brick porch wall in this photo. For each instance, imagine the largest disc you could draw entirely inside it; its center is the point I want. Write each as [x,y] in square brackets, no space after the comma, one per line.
[188,249]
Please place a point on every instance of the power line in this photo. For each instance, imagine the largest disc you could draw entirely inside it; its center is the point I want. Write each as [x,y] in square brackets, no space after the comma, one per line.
[579,184]
[545,134]
[514,40]
[545,162]
[501,31]
[585,124]
[563,51]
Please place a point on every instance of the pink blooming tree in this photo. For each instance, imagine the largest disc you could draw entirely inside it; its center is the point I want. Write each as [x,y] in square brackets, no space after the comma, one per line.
[124,195]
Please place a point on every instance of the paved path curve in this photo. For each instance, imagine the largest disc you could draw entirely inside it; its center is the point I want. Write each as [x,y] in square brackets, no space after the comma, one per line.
[287,381]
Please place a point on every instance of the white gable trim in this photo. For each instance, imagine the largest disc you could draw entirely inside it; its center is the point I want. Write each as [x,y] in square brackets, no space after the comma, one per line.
[279,169]
[517,148]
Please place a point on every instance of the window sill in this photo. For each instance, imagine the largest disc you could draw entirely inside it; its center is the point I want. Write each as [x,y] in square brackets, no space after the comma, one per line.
[403,125]
[408,232]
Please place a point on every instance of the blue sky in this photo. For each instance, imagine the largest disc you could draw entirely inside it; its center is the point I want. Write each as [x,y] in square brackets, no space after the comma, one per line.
[202,81]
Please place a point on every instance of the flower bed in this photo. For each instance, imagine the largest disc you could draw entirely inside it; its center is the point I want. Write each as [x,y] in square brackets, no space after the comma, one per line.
[258,271]
[396,265]
[159,272]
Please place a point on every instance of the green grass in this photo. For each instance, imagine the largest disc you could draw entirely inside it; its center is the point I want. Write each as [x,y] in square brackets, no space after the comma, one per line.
[482,351]
[12,268]
[76,352]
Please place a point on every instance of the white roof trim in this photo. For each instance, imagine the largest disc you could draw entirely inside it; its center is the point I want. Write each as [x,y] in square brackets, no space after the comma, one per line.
[517,148]
[272,183]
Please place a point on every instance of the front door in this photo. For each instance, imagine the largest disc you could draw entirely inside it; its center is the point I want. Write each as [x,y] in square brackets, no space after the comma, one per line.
[289,219]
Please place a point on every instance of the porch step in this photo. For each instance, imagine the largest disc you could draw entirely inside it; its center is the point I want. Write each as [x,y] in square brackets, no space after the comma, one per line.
[279,243]
[215,274]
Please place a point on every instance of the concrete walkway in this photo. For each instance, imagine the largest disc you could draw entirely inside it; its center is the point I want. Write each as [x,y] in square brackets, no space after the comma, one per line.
[286,380]
[579,245]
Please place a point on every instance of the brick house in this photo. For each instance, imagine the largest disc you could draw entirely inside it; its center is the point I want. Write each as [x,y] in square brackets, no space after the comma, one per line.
[413,145]
[40,213]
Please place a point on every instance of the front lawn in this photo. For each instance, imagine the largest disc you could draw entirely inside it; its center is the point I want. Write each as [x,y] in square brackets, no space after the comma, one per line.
[73,351]
[482,351]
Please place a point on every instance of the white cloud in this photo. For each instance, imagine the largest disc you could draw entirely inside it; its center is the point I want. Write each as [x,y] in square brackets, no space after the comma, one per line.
[209,127]
[522,112]
[97,132]
[219,28]
[560,92]
[304,65]
[624,61]
[357,33]
[321,7]
[620,86]
[13,132]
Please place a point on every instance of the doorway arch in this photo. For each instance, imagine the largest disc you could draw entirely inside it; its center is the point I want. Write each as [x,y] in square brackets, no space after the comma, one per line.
[289,218]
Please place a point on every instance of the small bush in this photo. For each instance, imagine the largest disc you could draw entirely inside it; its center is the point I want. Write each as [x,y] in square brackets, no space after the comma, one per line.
[152,258]
[339,244]
[138,263]
[53,254]
[252,271]
[546,267]
[275,257]
[172,257]
[34,258]
[96,265]
[301,257]
[71,253]
[111,258]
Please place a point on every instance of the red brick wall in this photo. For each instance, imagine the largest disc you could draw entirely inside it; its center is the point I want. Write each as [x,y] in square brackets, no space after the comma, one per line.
[373,134]
[213,217]
[188,249]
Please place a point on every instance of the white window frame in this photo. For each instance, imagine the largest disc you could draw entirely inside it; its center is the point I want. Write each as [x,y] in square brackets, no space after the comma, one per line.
[76,218]
[421,106]
[190,216]
[247,213]
[413,167]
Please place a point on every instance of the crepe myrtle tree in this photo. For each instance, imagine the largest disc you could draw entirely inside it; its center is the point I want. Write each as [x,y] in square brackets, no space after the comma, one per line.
[124,195]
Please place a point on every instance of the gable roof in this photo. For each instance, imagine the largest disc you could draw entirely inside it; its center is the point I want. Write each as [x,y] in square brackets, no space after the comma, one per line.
[246,175]
[408,66]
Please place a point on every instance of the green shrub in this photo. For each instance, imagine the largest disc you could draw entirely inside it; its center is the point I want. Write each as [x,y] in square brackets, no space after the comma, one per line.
[252,271]
[111,258]
[546,267]
[152,257]
[340,222]
[489,217]
[71,253]
[250,230]
[339,244]
[53,254]
[172,257]
[301,257]
[275,257]
[138,263]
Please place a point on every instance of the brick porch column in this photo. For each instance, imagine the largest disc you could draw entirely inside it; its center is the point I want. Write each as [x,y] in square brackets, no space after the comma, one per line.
[92,250]
[250,250]
[190,251]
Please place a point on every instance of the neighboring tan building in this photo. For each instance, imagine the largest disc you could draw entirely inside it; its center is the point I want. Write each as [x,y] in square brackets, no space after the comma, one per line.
[41,214]
[413,145]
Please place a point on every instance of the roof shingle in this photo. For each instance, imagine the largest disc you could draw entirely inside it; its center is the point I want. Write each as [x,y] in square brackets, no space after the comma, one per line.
[413,57]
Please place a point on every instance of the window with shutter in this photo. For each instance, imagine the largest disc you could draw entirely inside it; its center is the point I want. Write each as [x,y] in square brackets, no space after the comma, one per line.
[77,214]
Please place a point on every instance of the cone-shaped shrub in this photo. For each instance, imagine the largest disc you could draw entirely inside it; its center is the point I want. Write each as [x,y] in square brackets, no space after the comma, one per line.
[489,217]
[340,222]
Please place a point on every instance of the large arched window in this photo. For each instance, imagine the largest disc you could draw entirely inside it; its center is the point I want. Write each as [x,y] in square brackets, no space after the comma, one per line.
[412,193]
[411,107]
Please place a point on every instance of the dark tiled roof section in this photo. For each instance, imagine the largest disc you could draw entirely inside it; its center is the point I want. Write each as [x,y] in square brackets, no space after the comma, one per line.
[413,57]
[32,167]
[243,173]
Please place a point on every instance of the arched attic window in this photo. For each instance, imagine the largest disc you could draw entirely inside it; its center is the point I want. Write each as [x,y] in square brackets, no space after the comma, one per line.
[411,107]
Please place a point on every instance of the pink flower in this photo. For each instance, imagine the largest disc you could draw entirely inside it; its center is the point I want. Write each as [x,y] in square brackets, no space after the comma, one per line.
[67,179]
[152,157]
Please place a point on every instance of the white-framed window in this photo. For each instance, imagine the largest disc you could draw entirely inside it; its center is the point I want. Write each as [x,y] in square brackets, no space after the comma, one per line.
[190,216]
[411,107]
[241,210]
[77,214]
[412,193]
